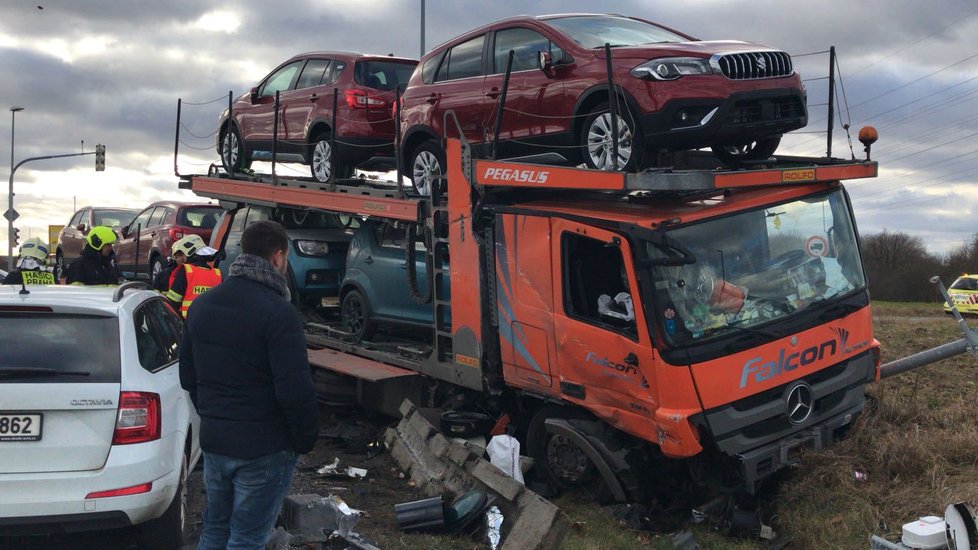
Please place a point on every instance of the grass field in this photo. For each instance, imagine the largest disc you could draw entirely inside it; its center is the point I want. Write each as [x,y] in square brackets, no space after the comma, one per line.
[917,447]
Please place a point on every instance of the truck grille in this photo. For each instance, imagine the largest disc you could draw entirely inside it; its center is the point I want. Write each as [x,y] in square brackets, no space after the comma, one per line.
[753,65]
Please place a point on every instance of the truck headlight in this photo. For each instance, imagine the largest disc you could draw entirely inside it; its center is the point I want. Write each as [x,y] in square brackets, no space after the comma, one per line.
[312,248]
[671,68]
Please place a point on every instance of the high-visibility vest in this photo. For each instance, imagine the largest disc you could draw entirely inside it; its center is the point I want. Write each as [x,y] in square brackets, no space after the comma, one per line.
[199,281]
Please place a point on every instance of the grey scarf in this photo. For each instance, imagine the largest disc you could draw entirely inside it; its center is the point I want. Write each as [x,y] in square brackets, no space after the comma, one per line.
[260,270]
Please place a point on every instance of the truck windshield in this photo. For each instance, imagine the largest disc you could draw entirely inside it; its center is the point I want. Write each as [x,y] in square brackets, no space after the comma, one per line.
[733,273]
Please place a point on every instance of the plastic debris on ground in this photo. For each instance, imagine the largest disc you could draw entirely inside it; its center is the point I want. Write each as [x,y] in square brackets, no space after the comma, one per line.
[504,453]
[494,525]
[333,469]
[346,517]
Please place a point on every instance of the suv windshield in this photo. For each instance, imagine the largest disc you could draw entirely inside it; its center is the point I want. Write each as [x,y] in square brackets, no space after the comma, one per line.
[383,75]
[59,348]
[594,31]
[744,270]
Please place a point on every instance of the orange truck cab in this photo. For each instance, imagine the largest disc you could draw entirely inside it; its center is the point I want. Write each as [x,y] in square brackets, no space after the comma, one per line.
[716,317]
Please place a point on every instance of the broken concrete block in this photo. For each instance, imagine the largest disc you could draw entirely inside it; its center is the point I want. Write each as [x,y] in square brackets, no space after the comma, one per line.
[306,516]
[459,454]
[539,524]
[420,426]
[407,407]
[496,479]
[439,445]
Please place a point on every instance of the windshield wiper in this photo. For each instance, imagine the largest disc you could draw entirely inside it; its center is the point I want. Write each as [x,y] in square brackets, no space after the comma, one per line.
[37,372]
[752,330]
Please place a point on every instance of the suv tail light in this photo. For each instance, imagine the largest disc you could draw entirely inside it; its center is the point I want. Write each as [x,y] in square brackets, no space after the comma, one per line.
[177,233]
[361,99]
[139,418]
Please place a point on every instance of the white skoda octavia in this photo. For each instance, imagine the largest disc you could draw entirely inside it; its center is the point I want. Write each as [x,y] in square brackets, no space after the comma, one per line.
[95,430]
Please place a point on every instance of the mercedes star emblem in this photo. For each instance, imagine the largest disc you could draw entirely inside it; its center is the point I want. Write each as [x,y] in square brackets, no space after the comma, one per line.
[800,403]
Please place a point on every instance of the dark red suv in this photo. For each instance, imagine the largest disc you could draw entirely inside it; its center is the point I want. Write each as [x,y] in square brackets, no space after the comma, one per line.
[677,93]
[364,132]
[144,245]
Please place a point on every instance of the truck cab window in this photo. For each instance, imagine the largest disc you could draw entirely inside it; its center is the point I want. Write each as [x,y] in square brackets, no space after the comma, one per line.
[596,288]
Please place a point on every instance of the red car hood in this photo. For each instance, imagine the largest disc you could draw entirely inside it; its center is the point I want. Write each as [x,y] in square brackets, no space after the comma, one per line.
[682,49]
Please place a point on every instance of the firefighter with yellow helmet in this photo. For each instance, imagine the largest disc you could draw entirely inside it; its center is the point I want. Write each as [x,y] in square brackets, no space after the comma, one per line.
[30,266]
[96,265]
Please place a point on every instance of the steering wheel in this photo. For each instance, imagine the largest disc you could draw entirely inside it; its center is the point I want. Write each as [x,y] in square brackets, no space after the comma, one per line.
[786,260]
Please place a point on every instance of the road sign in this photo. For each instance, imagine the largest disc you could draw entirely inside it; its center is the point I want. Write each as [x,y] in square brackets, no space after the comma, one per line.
[11,215]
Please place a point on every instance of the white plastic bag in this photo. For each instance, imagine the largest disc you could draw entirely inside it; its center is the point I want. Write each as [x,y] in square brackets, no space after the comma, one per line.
[504,453]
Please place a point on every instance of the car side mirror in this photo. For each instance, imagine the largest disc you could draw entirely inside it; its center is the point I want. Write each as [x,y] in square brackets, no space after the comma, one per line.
[81,227]
[124,231]
[545,61]
[254,94]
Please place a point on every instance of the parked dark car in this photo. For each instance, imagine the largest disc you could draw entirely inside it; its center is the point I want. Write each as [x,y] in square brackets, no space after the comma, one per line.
[319,244]
[677,93]
[71,239]
[364,125]
[155,229]
[375,287]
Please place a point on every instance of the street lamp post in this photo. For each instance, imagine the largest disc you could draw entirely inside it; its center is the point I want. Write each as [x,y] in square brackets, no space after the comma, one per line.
[10,195]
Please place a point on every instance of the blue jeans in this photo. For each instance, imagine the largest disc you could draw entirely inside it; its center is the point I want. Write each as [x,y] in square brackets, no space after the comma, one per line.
[244,497]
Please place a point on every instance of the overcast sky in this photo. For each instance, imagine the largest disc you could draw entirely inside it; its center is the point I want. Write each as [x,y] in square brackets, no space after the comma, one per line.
[110,72]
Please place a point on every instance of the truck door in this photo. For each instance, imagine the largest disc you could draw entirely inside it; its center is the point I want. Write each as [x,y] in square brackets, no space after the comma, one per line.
[604,351]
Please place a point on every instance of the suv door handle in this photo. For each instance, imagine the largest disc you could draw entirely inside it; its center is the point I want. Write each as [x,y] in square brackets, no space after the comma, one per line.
[313,97]
[368,260]
[493,93]
[433,98]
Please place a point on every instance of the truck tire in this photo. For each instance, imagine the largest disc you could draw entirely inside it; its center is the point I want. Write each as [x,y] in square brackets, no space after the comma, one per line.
[733,154]
[427,163]
[596,145]
[355,316]
[170,530]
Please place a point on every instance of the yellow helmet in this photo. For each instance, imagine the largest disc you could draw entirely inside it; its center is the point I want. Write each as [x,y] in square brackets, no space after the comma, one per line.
[100,236]
[189,245]
[35,248]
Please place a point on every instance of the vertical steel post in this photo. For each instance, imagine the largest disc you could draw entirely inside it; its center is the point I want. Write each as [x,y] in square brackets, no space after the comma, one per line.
[332,138]
[240,144]
[828,147]
[612,107]
[10,195]
[396,113]
[275,140]
[501,105]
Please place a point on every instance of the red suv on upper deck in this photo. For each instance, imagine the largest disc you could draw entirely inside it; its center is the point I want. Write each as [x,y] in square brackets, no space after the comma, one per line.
[364,127]
[676,93]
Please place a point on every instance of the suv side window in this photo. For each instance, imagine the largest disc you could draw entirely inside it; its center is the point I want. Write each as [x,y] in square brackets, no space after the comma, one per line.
[280,80]
[76,219]
[334,75]
[238,223]
[525,43]
[594,271]
[313,74]
[157,335]
[142,220]
[157,217]
[85,218]
[429,66]
[463,61]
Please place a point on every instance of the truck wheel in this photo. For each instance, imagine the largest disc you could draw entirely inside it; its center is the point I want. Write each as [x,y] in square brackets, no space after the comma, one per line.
[321,160]
[732,154]
[232,151]
[355,316]
[427,164]
[559,461]
[596,140]
[169,530]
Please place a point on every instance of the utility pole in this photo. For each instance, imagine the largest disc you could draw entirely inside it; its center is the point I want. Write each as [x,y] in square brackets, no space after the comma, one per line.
[422,30]
[11,214]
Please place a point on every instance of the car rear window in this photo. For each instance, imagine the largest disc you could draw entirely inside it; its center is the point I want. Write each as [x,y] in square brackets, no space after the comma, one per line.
[64,346]
[113,218]
[204,217]
[596,31]
[383,75]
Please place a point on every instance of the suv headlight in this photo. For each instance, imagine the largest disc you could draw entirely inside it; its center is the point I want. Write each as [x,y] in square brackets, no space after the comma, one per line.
[312,248]
[671,68]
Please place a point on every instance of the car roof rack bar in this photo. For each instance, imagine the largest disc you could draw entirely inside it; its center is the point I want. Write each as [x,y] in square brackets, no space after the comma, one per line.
[131,285]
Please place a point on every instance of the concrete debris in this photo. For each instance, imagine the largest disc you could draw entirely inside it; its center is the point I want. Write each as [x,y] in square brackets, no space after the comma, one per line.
[333,469]
[310,518]
[684,540]
[439,466]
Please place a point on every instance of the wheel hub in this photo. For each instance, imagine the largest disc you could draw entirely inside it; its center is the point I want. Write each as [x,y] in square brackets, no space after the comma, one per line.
[566,460]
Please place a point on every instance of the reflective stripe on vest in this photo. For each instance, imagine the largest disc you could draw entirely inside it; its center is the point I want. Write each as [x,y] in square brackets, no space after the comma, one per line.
[199,281]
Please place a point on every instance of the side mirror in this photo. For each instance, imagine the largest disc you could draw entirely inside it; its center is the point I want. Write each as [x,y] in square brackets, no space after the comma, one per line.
[545,61]
[81,227]
[254,94]
[124,231]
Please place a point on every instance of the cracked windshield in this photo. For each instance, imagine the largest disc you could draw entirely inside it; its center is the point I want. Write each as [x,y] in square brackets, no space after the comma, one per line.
[745,270]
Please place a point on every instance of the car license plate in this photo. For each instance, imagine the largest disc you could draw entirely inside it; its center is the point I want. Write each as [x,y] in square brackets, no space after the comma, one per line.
[20,427]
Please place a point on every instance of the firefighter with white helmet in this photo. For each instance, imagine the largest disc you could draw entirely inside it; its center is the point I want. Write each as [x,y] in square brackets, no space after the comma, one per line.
[196,276]
[179,252]
[30,266]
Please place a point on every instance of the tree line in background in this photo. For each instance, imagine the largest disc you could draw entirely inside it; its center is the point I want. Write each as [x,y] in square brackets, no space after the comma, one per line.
[899,267]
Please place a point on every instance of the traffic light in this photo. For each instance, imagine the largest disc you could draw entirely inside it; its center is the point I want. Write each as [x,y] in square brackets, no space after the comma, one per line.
[15,238]
[100,158]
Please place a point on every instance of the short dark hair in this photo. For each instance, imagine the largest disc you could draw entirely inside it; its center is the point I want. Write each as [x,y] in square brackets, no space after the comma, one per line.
[264,238]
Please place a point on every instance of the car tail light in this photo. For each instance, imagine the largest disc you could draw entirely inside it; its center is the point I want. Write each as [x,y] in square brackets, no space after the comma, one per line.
[361,99]
[134,490]
[139,418]
[177,233]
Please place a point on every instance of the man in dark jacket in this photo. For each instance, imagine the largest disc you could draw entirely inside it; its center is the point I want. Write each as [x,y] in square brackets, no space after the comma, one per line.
[96,265]
[243,360]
